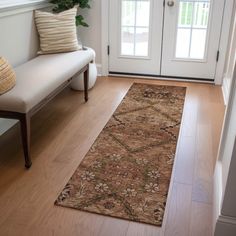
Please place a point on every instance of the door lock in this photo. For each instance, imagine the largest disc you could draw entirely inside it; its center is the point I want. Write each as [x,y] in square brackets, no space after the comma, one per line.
[170,3]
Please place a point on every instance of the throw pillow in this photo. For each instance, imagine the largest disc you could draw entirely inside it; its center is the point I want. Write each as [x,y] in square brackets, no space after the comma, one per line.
[7,76]
[57,31]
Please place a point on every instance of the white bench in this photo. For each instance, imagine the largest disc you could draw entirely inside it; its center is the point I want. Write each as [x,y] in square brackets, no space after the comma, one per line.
[38,81]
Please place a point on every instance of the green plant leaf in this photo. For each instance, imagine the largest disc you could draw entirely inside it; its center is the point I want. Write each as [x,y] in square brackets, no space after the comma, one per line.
[80,21]
[82,3]
[63,5]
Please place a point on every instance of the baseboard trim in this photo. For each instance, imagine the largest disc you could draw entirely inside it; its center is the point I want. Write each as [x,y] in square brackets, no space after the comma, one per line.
[227,220]
[221,223]
[225,228]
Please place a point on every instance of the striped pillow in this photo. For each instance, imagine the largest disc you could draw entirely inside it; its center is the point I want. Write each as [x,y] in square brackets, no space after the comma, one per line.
[57,31]
[7,76]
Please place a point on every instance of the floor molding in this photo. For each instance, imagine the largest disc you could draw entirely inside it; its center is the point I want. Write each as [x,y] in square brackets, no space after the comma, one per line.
[227,220]
[225,226]
[217,198]
[222,225]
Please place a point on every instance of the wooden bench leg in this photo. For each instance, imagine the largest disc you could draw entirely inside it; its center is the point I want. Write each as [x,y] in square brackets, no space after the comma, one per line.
[86,82]
[25,134]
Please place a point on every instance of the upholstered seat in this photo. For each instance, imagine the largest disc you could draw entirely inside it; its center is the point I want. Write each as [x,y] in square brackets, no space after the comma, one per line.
[39,77]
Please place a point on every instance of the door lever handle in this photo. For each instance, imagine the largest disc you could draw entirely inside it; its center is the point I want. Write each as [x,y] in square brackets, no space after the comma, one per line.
[170,3]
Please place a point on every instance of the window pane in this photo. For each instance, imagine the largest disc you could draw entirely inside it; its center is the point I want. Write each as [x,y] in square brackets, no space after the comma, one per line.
[135,26]
[141,39]
[201,15]
[198,44]
[192,29]
[128,13]
[183,41]
[143,13]
[185,14]
[127,41]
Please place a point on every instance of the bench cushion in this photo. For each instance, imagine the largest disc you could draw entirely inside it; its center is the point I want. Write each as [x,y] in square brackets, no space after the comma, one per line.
[39,77]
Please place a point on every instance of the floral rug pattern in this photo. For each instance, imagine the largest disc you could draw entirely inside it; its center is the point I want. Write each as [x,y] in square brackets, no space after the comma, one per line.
[127,171]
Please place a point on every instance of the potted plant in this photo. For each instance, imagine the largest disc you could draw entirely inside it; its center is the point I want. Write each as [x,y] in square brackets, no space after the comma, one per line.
[63,5]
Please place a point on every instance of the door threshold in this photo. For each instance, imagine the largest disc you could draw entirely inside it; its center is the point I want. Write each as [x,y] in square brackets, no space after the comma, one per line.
[161,77]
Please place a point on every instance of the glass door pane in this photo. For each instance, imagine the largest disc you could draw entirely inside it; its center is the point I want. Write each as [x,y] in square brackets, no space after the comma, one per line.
[135,28]
[135,36]
[192,29]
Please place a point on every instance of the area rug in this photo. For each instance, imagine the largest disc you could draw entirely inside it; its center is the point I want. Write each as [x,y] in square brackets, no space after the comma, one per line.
[127,171]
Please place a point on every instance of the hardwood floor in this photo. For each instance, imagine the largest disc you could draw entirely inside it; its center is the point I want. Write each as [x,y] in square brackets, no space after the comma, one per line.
[63,132]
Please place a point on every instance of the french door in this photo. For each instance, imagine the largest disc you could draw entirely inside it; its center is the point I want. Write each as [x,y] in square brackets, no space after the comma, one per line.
[178,38]
[135,45]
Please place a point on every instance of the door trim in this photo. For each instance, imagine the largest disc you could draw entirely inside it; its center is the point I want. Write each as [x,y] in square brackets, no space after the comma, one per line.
[223,44]
[224,40]
[105,36]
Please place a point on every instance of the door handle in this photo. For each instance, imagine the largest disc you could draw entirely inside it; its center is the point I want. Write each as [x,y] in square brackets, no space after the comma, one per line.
[170,3]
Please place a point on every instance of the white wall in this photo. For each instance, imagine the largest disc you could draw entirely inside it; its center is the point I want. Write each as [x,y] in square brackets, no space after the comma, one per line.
[230,58]
[229,132]
[228,144]
[224,207]
[92,36]
[18,38]
[225,173]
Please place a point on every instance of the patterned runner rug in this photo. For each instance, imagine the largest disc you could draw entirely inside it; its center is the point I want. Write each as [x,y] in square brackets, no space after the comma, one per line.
[127,171]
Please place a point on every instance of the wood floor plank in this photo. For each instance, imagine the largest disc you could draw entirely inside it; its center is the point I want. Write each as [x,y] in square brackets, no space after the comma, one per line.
[25,231]
[143,229]
[201,215]
[119,227]
[185,163]
[190,117]
[204,165]
[178,216]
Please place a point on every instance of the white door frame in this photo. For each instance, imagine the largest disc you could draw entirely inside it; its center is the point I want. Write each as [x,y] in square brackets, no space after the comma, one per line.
[223,44]
[105,35]
[224,40]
